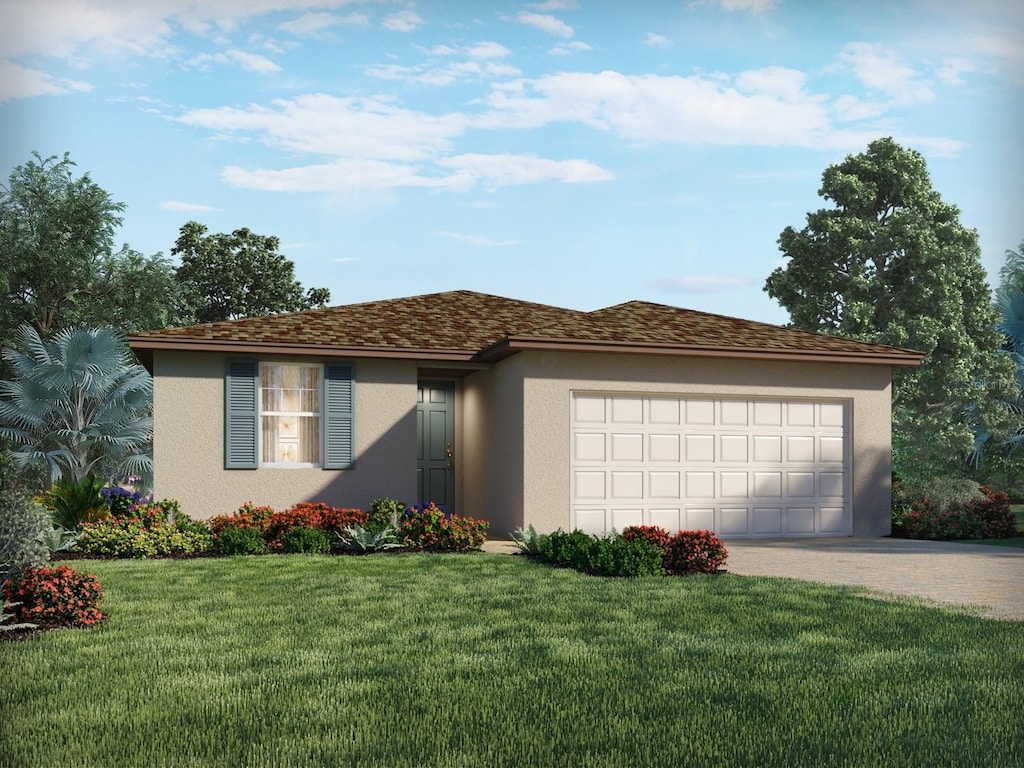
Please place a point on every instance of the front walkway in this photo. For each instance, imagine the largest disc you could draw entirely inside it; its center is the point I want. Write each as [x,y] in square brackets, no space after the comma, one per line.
[989,579]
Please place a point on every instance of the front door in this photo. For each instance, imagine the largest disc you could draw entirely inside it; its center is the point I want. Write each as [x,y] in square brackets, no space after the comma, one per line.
[435,436]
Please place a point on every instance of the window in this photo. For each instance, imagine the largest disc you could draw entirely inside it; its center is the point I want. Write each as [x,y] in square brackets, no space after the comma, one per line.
[288,414]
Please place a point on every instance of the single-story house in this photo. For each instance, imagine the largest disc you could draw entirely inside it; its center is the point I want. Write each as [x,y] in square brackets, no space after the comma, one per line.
[527,414]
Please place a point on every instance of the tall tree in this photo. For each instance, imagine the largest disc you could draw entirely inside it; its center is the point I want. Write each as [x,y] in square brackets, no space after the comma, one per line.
[891,263]
[58,267]
[78,405]
[242,274]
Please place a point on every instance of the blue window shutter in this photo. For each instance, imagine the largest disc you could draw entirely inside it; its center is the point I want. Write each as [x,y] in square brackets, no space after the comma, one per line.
[241,419]
[339,385]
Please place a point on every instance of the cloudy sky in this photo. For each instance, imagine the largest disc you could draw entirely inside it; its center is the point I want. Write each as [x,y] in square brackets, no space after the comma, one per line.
[572,152]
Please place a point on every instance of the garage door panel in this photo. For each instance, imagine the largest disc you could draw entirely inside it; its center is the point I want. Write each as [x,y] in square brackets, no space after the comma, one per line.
[699,519]
[753,467]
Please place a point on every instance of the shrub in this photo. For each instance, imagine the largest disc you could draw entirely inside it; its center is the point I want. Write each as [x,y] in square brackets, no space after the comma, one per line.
[304,540]
[146,530]
[240,541]
[246,516]
[384,513]
[602,556]
[24,526]
[695,552]
[367,540]
[73,503]
[927,520]
[994,512]
[55,597]
[120,500]
[5,617]
[310,515]
[430,528]
[652,534]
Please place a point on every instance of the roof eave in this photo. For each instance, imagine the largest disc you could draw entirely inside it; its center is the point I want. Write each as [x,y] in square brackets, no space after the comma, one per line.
[511,345]
[142,343]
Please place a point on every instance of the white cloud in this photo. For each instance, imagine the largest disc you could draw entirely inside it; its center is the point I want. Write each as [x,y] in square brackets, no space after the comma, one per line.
[757,6]
[403,21]
[18,82]
[343,127]
[567,49]
[339,175]
[479,64]
[487,50]
[697,284]
[174,205]
[253,62]
[311,23]
[508,170]
[657,41]
[881,70]
[477,240]
[554,5]
[545,23]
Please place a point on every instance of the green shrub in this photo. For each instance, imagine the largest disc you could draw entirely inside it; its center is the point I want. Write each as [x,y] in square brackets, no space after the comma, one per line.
[994,512]
[55,597]
[146,531]
[384,513]
[73,503]
[24,527]
[430,529]
[602,555]
[240,541]
[927,520]
[317,515]
[695,552]
[305,540]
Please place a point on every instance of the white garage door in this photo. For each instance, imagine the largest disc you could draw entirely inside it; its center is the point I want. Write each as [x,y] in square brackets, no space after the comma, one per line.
[737,467]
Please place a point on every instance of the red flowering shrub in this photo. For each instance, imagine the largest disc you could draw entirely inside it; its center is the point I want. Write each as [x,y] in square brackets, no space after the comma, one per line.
[927,521]
[994,512]
[695,552]
[55,597]
[310,515]
[652,534]
[247,516]
[429,528]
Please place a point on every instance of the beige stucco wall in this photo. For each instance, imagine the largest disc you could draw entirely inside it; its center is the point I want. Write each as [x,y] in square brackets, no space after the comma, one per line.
[492,449]
[188,412]
[537,460]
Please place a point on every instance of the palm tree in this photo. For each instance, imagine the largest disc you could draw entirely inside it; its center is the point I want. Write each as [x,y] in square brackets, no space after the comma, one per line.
[78,405]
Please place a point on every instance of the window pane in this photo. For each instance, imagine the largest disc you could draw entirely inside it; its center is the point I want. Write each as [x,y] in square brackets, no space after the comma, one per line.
[286,390]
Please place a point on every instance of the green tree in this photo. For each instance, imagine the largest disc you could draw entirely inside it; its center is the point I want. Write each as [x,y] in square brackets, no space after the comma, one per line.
[891,263]
[242,274]
[58,267]
[78,405]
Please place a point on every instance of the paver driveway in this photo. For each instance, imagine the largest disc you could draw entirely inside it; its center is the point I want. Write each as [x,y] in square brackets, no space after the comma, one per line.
[986,577]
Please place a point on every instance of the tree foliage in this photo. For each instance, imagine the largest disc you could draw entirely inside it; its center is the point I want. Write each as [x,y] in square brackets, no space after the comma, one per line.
[242,274]
[78,405]
[58,267]
[891,263]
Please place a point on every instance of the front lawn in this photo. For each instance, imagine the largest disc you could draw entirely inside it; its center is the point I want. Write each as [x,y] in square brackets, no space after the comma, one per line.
[491,660]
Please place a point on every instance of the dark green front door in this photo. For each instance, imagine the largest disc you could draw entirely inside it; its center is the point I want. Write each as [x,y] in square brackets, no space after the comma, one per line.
[435,435]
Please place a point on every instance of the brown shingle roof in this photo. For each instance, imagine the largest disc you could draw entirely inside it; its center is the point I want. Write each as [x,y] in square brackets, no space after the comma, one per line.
[465,325]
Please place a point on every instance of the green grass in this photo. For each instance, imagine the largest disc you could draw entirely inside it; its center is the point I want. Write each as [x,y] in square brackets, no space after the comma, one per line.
[491,660]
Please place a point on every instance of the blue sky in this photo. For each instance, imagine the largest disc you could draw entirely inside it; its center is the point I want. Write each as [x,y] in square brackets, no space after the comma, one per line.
[572,152]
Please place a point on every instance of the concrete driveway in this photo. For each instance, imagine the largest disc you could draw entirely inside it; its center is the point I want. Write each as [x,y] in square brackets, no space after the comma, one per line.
[989,579]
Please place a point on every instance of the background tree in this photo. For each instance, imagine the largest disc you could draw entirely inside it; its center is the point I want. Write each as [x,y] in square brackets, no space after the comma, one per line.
[223,277]
[78,405]
[891,263]
[58,267]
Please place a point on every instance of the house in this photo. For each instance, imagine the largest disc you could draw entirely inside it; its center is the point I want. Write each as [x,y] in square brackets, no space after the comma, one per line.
[521,413]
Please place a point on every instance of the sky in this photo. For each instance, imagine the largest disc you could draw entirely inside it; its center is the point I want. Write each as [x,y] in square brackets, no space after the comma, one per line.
[580,153]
